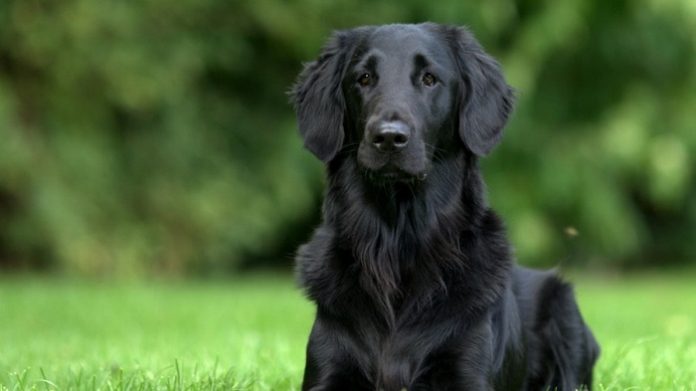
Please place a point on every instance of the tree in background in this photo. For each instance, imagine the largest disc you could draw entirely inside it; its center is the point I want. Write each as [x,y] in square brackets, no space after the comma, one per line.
[155,137]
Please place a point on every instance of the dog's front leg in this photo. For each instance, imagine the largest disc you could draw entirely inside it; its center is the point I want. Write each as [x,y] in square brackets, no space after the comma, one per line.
[463,362]
[329,367]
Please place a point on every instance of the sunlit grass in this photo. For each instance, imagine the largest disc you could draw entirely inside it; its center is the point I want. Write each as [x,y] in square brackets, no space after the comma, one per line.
[647,328]
[250,334]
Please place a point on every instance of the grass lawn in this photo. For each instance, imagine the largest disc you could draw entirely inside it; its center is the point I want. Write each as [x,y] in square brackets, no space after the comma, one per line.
[250,334]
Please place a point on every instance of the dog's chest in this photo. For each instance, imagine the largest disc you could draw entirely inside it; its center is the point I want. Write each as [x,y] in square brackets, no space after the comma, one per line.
[396,353]
[394,358]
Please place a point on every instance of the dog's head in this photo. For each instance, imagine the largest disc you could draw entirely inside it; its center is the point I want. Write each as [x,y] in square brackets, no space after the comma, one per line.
[394,96]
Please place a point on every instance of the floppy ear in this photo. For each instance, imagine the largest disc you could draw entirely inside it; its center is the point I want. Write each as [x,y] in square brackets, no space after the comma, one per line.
[486,101]
[319,101]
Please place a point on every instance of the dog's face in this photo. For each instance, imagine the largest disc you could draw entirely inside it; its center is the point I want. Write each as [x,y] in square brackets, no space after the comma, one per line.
[391,96]
[400,88]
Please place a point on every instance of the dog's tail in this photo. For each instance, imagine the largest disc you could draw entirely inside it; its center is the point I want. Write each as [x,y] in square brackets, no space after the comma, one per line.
[571,346]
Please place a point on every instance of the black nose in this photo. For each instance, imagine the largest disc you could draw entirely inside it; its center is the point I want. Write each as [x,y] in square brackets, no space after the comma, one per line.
[390,136]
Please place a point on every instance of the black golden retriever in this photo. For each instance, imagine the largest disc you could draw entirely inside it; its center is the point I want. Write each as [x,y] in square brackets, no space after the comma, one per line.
[410,270]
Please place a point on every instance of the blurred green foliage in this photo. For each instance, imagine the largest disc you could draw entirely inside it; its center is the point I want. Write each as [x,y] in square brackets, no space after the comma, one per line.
[155,137]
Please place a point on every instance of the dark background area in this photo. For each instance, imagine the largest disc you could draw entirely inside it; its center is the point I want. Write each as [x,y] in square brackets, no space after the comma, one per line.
[155,138]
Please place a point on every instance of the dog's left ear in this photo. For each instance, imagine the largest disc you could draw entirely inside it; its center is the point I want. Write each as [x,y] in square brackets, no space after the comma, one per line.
[486,100]
[318,98]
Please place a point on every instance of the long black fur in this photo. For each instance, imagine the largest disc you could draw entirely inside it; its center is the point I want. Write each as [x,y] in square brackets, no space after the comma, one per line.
[413,279]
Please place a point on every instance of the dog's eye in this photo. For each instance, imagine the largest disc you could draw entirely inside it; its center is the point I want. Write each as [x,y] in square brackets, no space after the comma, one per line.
[365,79]
[429,80]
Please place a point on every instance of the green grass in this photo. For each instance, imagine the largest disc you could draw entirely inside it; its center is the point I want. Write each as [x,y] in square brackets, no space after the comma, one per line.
[250,334]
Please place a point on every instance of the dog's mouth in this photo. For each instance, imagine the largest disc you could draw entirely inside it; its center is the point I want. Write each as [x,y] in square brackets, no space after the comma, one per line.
[410,165]
[391,173]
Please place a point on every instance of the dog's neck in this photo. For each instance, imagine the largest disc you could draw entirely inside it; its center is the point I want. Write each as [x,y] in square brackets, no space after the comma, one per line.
[393,230]
[451,197]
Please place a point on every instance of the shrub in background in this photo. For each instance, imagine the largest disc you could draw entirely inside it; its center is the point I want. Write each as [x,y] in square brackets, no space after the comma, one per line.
[155,137]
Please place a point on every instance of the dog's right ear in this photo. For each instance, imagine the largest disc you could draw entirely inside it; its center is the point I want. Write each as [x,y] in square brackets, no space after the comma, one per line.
[487,100]
[318,98]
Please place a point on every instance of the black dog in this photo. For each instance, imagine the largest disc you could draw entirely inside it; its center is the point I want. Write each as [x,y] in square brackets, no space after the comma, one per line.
[410,270]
